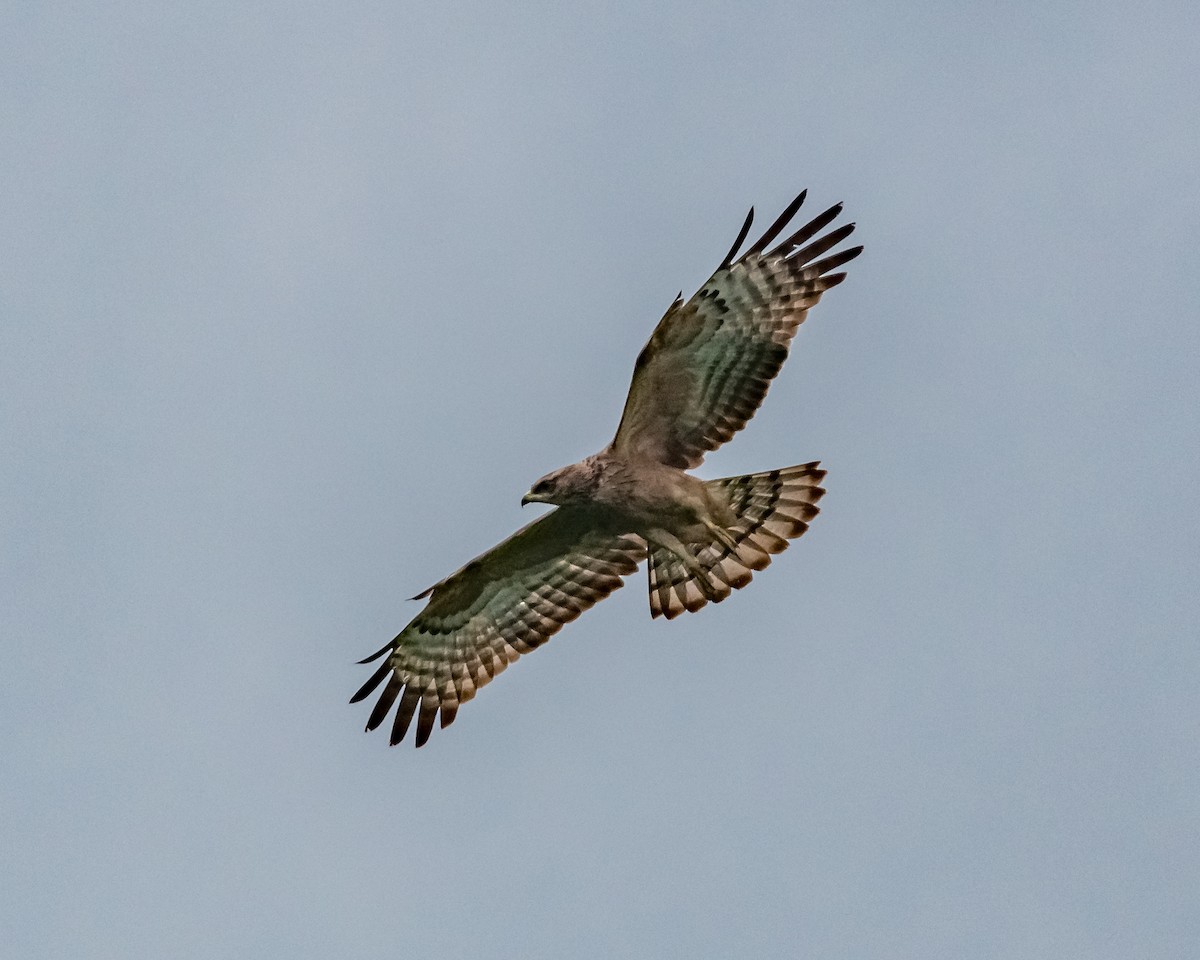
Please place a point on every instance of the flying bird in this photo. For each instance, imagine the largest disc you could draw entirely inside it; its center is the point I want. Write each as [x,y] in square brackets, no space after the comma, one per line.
[699,379]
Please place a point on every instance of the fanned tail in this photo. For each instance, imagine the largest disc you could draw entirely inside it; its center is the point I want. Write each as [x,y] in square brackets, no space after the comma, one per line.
[772,508]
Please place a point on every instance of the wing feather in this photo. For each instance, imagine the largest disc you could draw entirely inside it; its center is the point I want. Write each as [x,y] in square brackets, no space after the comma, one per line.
[708,365]
[502,604]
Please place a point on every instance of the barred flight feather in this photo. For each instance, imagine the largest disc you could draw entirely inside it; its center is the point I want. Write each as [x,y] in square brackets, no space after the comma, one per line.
[482,618]
[710,361]
[772,507]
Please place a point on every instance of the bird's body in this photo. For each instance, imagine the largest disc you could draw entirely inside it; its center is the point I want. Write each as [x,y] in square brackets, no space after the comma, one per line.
[640,496]
[701,376]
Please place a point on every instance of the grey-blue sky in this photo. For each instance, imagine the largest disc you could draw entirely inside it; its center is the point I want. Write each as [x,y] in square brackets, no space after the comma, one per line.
[298,299]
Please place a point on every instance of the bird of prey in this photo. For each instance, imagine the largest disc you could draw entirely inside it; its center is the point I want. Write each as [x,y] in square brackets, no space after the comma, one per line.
[699,379]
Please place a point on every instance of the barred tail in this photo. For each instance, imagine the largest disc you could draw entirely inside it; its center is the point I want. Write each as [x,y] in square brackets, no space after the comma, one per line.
[771,507]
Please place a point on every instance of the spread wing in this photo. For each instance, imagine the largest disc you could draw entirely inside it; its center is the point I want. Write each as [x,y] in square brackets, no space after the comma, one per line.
[502,604]
[709,362]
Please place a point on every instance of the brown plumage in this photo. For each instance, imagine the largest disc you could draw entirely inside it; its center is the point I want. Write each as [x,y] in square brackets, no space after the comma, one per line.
[699,379]
[771,508]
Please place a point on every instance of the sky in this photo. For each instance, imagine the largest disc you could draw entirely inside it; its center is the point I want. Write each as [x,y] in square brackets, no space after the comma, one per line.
[296,300]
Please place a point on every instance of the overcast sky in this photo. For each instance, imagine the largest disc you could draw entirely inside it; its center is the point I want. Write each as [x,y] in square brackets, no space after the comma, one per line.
[296,299]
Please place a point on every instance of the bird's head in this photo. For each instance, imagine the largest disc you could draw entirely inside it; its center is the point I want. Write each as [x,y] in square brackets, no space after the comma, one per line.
[573,484]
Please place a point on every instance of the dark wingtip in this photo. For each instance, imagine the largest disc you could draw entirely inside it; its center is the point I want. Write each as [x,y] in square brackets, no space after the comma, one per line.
[836,260]
[808,231]
[425,724]
[404,714]
[819,246]
[384,704]
[774,229]
[738,242]
[379,653]
[369,687]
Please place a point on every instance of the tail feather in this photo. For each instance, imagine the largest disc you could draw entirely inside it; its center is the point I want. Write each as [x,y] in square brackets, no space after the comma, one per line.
[772,508]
